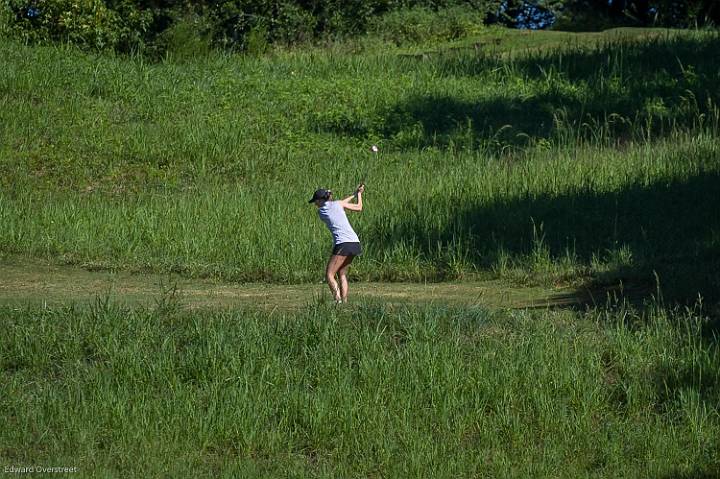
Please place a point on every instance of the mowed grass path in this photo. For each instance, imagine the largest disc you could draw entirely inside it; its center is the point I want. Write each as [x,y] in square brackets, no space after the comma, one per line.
[35,283]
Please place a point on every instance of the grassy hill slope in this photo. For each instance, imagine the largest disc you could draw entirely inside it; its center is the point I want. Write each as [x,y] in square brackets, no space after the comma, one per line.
[518,155]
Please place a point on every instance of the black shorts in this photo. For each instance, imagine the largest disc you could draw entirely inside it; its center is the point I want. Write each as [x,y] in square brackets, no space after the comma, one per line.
[347,249]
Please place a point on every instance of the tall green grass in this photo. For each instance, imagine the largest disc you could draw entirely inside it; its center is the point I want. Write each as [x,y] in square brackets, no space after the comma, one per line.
[550,165]
[438,219]
[360,392]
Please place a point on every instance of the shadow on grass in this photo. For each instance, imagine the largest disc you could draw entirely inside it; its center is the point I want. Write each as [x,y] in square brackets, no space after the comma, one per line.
[668,230]
[608,93]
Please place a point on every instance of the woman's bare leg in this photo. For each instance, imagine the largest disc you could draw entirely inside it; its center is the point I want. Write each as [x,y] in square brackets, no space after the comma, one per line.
[342,274]
[334,264]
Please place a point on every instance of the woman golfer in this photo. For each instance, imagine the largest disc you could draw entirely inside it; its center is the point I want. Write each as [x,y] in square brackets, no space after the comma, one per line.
[345,240]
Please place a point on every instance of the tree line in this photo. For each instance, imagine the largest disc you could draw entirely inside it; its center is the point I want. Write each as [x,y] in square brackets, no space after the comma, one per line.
[153,26]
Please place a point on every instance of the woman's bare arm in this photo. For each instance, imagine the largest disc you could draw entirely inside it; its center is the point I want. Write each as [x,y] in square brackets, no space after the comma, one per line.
[357,206]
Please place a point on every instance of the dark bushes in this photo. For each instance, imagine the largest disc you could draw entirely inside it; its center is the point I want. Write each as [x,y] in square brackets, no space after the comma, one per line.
[94,24]
[125,25]
[152,26]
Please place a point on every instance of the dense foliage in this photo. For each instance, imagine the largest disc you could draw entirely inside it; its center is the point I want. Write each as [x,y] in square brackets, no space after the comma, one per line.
[668,13]
[156,26]
[90,23]
[239,24]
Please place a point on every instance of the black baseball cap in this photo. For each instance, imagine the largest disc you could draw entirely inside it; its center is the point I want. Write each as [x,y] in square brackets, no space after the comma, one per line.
[320,194]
